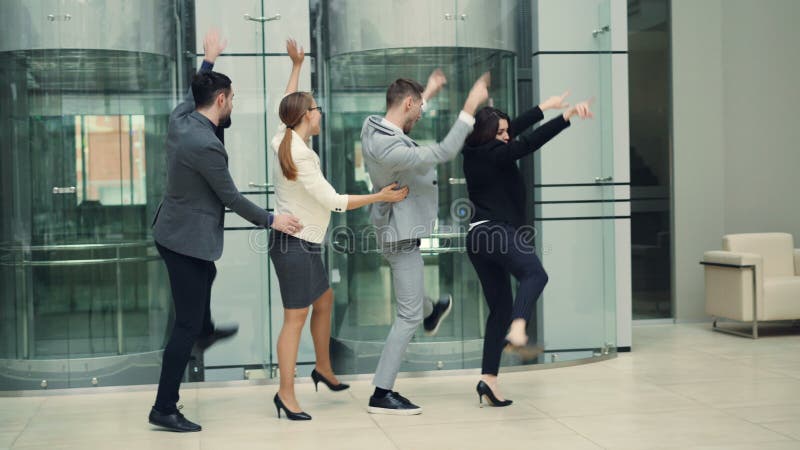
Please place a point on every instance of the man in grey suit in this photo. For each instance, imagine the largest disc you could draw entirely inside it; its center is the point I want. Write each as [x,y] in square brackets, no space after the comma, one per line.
[391,156]
[188,226]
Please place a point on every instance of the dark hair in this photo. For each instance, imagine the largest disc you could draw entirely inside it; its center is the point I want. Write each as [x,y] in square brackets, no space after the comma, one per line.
[487,121]
[206,86]
[291,111]
[400,89]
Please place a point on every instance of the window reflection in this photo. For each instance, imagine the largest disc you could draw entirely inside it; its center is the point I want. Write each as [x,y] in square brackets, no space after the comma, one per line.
[110,160]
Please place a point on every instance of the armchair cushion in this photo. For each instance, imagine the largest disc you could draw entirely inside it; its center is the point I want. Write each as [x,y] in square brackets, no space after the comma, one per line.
[777,250]
[782,296]
[729,291]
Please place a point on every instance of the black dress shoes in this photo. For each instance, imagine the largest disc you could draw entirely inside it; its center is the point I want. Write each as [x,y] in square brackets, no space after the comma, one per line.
[440,310]
[172,422]
[316,377]
[291,415]
[392,403]
[484,391]
[204,342]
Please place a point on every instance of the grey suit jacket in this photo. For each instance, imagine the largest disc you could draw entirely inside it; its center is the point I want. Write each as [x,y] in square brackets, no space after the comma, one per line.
[391,156]
[191,217]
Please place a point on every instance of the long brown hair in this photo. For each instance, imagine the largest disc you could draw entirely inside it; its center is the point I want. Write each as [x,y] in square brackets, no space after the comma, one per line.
[291,111]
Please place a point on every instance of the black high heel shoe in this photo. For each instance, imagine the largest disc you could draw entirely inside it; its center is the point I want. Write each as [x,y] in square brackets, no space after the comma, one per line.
[317,377]
[484,390]
[289,415]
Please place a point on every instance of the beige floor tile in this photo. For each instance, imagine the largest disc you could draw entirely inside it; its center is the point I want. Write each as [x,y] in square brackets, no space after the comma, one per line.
[670,430]
[529,433]
[765,414]
[583,403]
[16,412]
[789,428]
[299,439]
[731,393]
[7,438]
[189,441]
[780,445]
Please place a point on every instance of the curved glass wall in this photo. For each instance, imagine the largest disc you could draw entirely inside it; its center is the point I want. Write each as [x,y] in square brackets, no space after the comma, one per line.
[85,298]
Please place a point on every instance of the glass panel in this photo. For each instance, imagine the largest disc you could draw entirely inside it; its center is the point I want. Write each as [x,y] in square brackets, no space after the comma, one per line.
[575,207]
[361,279]
[605,114]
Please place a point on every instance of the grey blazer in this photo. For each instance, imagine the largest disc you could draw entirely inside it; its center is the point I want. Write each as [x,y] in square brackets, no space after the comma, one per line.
[391,156]
[191,216]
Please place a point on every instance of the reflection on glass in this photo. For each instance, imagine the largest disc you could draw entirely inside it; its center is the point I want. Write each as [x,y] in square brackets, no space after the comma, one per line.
[649,85]
[110,160]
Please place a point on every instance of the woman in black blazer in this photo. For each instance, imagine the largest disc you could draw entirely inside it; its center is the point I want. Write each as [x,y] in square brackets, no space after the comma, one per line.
[498,242]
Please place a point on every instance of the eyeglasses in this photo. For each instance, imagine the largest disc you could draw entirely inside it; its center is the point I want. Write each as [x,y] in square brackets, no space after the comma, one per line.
[318,108]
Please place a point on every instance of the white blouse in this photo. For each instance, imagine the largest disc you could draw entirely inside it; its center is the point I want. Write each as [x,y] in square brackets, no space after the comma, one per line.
[309,197]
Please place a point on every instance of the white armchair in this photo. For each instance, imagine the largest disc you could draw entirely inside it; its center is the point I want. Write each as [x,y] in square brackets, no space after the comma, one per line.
[756,277]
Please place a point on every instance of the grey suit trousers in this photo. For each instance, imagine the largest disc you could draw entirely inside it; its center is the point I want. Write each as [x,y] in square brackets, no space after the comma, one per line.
[407,268]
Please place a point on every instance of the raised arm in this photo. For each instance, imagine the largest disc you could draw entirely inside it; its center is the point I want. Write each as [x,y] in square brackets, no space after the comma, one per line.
[213,45]
[535,114]
[297,54]
[532,140]
[400,157]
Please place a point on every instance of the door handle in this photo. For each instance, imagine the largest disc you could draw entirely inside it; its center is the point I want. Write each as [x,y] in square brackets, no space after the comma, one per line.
[262,19]
[260,185]
[457,181]
[64,190]
[602,180]
[599,31]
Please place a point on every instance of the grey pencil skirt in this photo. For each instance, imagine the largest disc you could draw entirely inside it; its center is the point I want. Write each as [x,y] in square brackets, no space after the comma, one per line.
[298,263]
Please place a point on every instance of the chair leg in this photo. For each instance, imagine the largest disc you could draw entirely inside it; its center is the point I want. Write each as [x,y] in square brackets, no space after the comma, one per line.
[753,335]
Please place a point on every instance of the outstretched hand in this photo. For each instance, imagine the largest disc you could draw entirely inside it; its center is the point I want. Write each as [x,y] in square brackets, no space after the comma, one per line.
[581,110]
[435,83]
[213,45]
[478,94]
[296,52]
[555,102]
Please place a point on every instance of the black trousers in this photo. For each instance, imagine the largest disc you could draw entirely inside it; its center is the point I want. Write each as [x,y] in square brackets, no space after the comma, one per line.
[498,250]
[190,279]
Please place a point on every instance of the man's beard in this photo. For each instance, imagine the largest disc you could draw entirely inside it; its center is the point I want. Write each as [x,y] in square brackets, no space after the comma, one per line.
[225,122]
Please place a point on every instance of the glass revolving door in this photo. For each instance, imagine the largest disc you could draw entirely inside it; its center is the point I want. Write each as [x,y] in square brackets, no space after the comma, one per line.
[84,297]
[360,277]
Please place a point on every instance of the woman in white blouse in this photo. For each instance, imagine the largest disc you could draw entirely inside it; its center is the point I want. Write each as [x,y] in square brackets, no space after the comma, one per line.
[301,188]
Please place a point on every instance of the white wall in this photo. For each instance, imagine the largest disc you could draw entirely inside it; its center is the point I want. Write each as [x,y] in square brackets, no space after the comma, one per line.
[735,141]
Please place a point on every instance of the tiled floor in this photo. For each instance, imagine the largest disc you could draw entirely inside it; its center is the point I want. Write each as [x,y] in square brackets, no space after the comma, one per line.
[682,387]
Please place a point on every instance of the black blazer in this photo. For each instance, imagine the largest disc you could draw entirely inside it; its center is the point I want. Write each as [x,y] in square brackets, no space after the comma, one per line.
[494,182]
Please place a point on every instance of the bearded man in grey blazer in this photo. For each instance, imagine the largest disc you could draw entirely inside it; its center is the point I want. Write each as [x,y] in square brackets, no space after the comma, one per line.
[391,156]
[189,224]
